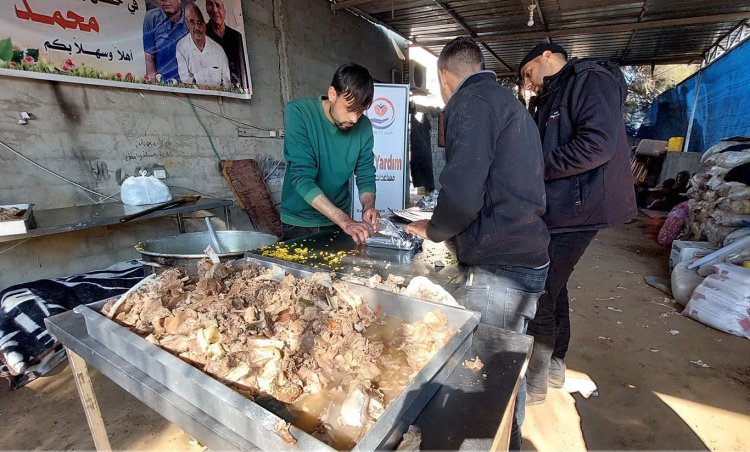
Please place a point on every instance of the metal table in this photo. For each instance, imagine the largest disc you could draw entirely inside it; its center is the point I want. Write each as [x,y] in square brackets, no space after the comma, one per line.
[471,411]
[68,219]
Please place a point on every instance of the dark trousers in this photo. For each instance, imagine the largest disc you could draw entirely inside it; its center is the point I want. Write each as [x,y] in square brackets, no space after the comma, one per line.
[289,232]
[507,298]
[551,325]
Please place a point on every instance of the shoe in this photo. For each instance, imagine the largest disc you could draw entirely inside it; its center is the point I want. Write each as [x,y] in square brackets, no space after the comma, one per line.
[556,378]
[535,398]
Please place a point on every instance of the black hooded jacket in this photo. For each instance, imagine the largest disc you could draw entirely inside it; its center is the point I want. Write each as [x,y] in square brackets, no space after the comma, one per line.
[492,195]
[587,173]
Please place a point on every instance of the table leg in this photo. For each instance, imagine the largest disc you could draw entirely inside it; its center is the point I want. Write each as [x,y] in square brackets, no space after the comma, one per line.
[180,223]
[227,218]
[88,399]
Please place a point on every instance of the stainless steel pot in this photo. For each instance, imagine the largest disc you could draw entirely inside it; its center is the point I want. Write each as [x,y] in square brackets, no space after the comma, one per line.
[185,250]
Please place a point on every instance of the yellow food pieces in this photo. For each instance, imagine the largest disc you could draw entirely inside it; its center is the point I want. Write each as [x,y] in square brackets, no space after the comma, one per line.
[303,255]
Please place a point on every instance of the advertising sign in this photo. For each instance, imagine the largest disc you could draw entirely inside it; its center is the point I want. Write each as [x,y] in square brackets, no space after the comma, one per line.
[389,117]
[195,46]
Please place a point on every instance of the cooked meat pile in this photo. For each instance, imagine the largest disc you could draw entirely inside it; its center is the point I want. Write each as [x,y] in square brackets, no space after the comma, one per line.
[11,213]
[265,333]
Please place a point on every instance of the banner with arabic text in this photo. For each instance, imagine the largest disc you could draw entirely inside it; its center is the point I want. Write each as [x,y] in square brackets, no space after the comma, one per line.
[187,46]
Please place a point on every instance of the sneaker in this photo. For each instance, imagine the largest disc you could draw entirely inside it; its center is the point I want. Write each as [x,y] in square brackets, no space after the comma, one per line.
[556,377]
[535,398]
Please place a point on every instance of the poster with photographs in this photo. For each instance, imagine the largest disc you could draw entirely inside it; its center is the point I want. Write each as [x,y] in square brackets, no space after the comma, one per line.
[188,46]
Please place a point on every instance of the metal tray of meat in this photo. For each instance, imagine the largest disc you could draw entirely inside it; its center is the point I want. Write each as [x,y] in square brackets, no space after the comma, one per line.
[253,423]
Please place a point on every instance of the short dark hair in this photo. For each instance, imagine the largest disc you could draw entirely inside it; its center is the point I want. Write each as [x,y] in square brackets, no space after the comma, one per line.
[460,56]
[354,82]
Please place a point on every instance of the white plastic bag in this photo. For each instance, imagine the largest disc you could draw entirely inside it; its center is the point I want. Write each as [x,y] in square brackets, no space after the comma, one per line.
[684,282]
[722,300]
[140,190]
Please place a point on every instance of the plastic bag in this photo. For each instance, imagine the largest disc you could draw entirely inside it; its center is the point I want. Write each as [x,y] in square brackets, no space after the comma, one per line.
[140,190]
[727,218]
[428,202]
[722,300]
[684,282]
[738,191]
[736,206]
[729,159]
[736,235]
[673,225]
[392,236]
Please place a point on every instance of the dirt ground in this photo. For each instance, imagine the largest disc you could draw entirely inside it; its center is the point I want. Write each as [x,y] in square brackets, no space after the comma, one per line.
[664,381]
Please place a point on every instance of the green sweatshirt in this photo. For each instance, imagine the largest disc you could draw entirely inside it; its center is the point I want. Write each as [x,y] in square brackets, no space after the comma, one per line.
[320,158]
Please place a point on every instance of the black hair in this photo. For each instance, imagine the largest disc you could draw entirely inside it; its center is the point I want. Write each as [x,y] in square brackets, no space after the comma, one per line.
[461,56]
[354,82]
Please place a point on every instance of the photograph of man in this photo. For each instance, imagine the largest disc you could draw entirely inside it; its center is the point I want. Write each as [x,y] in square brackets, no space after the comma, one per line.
[229,39]
[162,28]
[200,60]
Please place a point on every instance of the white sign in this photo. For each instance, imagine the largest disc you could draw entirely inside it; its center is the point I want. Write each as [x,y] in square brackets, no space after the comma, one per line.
[389,117]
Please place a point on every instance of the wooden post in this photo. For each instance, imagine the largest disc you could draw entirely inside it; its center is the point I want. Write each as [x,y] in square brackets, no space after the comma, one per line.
[88,399]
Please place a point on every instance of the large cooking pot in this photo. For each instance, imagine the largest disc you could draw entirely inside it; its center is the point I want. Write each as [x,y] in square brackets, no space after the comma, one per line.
[185,250]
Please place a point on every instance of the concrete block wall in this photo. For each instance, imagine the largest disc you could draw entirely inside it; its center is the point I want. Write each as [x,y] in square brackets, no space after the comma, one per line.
[97,136]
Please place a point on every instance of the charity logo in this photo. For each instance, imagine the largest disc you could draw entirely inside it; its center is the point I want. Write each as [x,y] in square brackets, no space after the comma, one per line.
[381,113]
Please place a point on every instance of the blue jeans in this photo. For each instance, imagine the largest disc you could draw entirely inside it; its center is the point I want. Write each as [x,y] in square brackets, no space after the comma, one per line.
[551,325]
[506,296]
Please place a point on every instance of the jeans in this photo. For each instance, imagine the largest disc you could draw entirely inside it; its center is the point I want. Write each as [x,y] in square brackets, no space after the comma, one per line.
[506,297]
[551,325]
[289,232]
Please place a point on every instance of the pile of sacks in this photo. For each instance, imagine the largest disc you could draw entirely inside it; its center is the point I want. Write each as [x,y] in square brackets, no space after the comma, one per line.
[720,195]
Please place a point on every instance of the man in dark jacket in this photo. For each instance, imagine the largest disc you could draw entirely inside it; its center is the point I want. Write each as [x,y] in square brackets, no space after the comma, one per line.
[588,182]
[492,196]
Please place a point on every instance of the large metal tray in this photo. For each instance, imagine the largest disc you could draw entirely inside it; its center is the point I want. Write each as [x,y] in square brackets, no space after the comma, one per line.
[255,424]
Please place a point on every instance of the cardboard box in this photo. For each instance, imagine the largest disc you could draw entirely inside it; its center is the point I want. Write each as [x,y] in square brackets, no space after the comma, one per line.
[683,250]
[20,225]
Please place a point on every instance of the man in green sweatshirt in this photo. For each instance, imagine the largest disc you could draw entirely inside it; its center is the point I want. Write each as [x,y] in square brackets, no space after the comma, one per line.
[327,140]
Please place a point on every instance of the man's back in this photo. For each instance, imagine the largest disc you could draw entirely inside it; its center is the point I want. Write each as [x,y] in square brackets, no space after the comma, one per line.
[494,170]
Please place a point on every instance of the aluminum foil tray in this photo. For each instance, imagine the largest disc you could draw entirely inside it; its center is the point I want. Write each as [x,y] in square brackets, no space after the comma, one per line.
[204,406]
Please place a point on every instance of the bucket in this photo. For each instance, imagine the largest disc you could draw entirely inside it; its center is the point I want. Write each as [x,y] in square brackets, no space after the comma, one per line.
[185,250]
[675,144]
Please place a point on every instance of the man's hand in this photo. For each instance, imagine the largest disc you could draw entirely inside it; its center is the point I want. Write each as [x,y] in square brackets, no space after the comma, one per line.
[371,216]
[418,228]
[358,231]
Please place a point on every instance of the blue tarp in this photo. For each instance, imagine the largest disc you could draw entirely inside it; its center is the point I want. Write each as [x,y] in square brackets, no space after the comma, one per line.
[721,111]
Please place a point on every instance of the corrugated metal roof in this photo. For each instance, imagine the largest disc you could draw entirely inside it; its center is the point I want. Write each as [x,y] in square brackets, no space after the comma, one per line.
[631,32]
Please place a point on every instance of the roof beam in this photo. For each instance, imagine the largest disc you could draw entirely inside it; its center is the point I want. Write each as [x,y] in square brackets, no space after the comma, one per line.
[614,28]
[343,4]
[632,35]
[471,32]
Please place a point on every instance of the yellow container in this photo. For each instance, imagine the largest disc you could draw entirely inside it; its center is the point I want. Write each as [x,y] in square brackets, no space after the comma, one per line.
[675,144]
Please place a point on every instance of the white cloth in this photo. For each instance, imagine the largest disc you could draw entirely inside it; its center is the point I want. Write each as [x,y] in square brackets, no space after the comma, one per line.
[208,67]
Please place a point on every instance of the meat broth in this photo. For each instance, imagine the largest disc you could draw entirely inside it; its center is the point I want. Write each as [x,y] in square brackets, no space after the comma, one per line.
[309,350]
